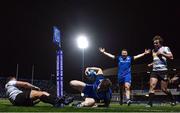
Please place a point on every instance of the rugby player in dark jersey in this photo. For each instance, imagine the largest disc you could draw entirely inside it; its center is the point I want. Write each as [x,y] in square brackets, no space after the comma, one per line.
[99,90]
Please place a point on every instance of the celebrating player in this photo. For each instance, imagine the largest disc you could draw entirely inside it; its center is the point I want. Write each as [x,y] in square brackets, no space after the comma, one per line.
[124,71]
[99,90]
[160,55]
[31,95]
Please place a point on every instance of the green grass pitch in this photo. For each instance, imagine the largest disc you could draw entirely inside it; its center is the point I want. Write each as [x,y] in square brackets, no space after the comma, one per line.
[6,106]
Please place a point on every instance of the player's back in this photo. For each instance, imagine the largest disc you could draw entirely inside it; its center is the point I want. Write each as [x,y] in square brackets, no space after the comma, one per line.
[11,90]
[102,95]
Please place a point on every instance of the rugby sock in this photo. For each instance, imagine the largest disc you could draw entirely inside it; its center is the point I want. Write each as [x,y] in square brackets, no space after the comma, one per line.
[151,95]
[170,96]
[121,96]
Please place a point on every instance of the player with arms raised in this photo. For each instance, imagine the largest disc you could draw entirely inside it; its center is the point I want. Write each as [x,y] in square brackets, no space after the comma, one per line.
[124,71]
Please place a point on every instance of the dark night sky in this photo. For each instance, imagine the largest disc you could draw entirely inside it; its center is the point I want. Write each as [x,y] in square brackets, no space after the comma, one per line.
[26,32]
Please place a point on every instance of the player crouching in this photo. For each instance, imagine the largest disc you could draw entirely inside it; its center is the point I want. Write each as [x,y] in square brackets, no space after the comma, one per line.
[99,90]
[31,95]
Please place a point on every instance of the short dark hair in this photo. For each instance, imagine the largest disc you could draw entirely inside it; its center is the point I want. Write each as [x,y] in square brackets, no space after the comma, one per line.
[124,49]
[157,37]
[105,84]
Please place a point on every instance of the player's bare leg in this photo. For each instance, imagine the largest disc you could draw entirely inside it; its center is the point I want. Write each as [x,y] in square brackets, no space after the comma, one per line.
[43,96]
[37,94]
[48,98]
[89,102]
[78,85]
[153,82]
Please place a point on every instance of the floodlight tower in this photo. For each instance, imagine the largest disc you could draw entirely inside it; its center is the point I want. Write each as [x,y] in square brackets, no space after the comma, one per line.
[82,43]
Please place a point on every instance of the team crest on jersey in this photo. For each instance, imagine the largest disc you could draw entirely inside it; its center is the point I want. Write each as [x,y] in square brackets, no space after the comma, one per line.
[128,58]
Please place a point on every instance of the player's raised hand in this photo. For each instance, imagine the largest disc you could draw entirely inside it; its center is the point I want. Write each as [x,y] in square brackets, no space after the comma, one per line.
[147,51]
[102,50]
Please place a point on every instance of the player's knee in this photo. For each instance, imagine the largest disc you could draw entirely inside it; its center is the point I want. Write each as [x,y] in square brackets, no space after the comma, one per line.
[89,102]
[73,82]
[127,88]
[36,94]
[92,103]
[77,83]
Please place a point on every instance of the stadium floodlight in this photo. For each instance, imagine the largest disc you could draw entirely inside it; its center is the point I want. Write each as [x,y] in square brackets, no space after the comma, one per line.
[82,41]
[82,44]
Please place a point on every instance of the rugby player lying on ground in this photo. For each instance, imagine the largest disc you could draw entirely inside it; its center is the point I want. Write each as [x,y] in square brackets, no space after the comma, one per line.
[99,90]
[25,94]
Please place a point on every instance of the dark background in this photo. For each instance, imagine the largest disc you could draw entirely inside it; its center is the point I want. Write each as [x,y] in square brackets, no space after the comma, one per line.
[26,32]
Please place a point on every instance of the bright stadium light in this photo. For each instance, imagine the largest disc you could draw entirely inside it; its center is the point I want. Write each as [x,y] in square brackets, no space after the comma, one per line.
[82,42]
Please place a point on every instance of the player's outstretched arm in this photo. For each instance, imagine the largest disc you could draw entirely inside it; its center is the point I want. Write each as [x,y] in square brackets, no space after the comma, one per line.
[102,50]
[146,51]
[26,85]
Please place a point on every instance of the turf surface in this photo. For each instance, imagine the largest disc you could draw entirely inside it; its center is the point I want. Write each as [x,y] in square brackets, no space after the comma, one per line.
[6,106]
